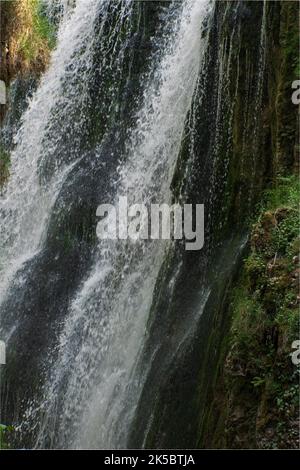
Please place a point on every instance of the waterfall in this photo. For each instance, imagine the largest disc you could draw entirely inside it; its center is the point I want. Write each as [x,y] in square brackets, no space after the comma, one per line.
[181,350]
[26,203]
[62,150]
[110,310]
[158,102]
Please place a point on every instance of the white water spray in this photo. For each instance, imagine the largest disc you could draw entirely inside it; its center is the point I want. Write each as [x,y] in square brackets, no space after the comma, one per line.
[26,204]
[106,324]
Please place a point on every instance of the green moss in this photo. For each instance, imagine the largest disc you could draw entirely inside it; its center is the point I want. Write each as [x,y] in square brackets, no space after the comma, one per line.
[276,232]
[5,432]
[255,400]
[290,37]
[4,166]
[265,322]
[28,36]
[42,33]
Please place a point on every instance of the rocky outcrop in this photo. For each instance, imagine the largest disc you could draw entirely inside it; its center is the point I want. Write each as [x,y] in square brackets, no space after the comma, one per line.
[256,395]
[254,400]
[26,40]
[241,136]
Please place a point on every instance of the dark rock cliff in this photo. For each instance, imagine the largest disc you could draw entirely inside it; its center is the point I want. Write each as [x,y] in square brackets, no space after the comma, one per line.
[244,137]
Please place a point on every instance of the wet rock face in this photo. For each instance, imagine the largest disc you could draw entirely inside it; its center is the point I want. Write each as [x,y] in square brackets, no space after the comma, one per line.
[236,158]
[43,287]
[258,383]
[217,156]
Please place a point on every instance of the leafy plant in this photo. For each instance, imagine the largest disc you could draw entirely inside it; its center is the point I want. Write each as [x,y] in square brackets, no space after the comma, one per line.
[4,433]
[4,166]
[266,315]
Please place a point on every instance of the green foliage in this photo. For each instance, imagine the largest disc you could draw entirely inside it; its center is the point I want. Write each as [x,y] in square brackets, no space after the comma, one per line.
[266,316]
[40,36]
[258,381]
[286,192]
[278,223]
[4,166]
[5,431]
[290,39]
[44,29]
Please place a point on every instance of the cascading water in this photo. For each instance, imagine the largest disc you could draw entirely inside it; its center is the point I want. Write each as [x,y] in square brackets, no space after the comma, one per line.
[191,289]
[143,100]
[90,390]
[26,204]
[112,306]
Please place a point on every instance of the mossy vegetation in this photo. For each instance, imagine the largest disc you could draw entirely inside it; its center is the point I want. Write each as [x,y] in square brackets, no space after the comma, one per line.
[5,431]
[28,37]
[39,38]
[4,167]
[260,385]
[254,397]
[283,70]
[34,35]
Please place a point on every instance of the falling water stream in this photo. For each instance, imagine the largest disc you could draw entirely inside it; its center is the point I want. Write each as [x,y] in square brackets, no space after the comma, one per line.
[103,329]
[112,305]
[26,204]
[110,117]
